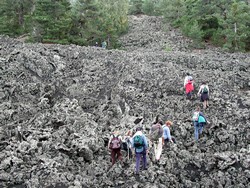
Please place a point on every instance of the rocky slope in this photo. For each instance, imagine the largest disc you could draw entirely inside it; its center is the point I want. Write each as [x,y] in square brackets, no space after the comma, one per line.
[66,100]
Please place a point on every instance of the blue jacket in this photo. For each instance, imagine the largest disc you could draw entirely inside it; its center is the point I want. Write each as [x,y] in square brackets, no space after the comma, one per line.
[166,132]
[139,150]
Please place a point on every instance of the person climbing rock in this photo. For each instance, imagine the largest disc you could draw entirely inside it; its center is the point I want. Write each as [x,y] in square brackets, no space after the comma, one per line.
[189,89]
[156,137]
[199,121]
[139,142]
[114,145]
[187,78]
[166,133]
[127,144]
[104,44]
[204,94]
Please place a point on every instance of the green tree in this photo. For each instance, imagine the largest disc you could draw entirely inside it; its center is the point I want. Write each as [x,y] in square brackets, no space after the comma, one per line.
[99,20]
[135,6]
[51,21]
[237,26]
[12,16]
[173,10]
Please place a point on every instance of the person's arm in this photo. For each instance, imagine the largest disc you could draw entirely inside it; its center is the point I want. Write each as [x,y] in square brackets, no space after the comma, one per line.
[199,90]
[145,142]
[132,142]
[109,141]
[207,90]
[163,141]
[185,81]
[169,135]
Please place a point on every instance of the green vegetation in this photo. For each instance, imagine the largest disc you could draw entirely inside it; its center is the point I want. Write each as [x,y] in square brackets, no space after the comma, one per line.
[82,22]
[222,23]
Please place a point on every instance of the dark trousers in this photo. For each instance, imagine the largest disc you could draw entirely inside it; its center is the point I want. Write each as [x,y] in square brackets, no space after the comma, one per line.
[140,156]
[115,153]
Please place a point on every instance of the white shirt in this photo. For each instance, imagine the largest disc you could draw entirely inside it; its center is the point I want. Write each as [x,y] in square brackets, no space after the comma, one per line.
[187,78]
[202,87]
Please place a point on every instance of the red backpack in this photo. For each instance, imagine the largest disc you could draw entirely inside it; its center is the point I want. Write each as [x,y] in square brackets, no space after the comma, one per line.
[115,142]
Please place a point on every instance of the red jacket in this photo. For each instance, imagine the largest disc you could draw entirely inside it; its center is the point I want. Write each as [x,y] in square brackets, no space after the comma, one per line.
[189,87]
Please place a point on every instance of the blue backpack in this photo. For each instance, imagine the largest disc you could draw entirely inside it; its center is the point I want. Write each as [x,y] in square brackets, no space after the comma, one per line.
[138,142]
[201,119]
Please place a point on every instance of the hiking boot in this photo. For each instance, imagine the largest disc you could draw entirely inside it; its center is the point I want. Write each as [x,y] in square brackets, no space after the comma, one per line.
[136,173]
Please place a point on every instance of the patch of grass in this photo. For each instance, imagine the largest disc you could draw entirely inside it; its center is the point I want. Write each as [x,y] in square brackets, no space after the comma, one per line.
[168,48]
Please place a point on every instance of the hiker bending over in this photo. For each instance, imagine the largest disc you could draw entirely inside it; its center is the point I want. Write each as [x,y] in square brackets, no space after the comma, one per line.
[166,133]
[156,137]
[139,142]
[114,145]
[199,121]
[204,94]
[189,89]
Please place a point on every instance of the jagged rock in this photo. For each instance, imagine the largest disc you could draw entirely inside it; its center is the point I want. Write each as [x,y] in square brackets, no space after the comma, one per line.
[66,100]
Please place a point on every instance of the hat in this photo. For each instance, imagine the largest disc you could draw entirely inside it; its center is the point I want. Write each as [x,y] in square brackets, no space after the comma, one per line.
[138,128]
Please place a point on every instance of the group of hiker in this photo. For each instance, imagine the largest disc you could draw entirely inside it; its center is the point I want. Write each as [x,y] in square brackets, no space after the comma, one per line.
[103,44]
[203,90]
[159,134]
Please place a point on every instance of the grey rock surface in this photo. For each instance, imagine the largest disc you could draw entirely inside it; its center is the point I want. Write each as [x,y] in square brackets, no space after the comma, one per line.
[59,104]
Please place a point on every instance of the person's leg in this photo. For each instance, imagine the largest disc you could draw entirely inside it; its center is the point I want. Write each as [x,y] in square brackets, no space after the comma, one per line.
[144,160]
[113,155]
[155,148]
[173,139]
[158,149]
[137,163]
[196,129]
[119,154]
[201,125]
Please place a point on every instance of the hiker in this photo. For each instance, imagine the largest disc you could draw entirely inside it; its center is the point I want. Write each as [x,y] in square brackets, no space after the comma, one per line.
[156,137]
[139,142]
[96,44]
[104,44]
[114,145]
[166,133]
[127,144]
[187,78]
[199,121]
[189,89]
[204,94]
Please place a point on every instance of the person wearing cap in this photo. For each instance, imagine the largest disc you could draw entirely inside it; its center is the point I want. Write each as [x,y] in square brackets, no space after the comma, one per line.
[188,78]
[114,145]
[141,151]
[166,133]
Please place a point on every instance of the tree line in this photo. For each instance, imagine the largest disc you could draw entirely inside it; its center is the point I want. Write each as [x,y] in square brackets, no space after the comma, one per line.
[82,22]
[223,23]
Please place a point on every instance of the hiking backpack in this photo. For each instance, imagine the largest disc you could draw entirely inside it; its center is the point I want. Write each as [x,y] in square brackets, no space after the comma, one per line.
[138,142]
[156,132]
[115,142]
[205,90]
